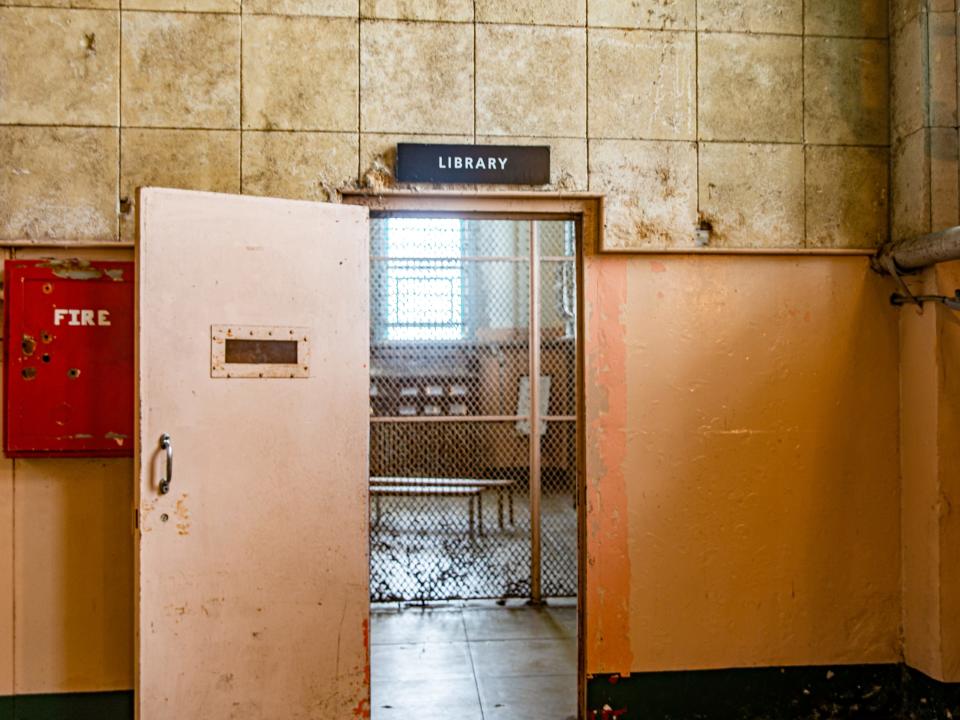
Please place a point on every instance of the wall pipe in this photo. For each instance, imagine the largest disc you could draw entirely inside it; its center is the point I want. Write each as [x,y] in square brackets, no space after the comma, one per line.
[918,252]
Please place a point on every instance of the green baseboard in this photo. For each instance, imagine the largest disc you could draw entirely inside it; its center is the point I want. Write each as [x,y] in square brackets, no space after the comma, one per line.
[69,706]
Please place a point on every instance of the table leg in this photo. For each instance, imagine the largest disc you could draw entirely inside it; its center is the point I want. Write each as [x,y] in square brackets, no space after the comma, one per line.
[480,511]
[470,504]
[500,507]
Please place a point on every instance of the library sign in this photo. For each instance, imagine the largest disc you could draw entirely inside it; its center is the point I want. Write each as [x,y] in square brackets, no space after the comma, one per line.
[473,164]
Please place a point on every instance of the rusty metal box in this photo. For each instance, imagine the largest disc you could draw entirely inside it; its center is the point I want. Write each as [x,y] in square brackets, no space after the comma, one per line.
[68,358]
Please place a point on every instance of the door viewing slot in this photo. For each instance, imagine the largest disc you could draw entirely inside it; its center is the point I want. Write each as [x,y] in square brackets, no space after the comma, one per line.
[463,313]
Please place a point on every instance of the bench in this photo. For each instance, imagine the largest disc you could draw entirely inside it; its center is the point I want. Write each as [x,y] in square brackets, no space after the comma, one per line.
[471,488]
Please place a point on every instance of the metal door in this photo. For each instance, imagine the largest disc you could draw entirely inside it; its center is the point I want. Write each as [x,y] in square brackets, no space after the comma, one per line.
[252,354]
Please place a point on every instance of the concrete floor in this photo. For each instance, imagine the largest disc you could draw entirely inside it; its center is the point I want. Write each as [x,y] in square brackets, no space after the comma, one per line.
[474,661]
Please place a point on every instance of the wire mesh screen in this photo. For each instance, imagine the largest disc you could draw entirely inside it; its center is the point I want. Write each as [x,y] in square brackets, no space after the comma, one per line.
[450,389]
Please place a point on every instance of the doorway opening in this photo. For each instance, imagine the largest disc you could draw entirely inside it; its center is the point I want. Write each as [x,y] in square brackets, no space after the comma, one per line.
[474,457]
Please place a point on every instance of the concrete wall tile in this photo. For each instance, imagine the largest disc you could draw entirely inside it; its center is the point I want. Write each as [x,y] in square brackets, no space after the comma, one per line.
[378,155]
[903,12]
[642,84]
[327,8]
[416,77]
[907,93]
[650,14]
[218,6]
[942,39]
[764,74]
[303,166]
[188,159]
[59,66]
[446,10]
[89,4]
[568,159]
[752,195]
[533,12]
[300,73]
[531,81]
[846,18]
[58,183]
[759,16]
[651,190]
[846,91]
[847,196]
[180,70]
[944,166]
[911,186]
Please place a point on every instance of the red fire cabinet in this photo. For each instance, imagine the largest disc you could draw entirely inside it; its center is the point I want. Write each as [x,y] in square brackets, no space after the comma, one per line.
[68,358]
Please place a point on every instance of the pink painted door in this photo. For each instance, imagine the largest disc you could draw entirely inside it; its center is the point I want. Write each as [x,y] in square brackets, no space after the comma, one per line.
[252,569]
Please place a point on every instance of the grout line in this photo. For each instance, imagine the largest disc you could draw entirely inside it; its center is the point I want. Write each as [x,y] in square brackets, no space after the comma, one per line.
[803,114]
[130,201]
[475,72]
[240,119]
[359,87]
[473,667]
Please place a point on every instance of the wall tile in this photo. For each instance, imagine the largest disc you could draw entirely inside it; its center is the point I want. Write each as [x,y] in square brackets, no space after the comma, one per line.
[416,77]
[187,159]
[533,12]
[180,70]
[90,4]
[651,14]
[752,195]
[907,96]
[531,81]
[942,29]
[911,186]
[446,10]
[903,12]
[303,166]
[764,74]
[847,18]
[378,155]
[847,196]
[846,91]
[642,84]
[759,16]
[328,8]
[651,190]
[568,159]
[944,166]
[58,183]
[224,6]
[59,66]
[300,73]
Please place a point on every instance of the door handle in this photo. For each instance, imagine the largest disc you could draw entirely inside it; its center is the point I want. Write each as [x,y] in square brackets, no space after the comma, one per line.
[167,444]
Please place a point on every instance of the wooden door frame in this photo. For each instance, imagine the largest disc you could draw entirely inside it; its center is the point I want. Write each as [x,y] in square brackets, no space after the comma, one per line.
[587,209]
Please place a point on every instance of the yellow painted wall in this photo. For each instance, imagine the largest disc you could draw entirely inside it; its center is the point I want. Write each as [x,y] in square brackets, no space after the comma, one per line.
[742,463]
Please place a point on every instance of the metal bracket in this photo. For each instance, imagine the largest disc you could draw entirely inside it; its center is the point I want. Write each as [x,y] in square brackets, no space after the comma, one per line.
[953,303]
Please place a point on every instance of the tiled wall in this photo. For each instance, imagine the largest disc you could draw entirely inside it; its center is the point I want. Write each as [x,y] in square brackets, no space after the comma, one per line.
[923,37]
[765,119]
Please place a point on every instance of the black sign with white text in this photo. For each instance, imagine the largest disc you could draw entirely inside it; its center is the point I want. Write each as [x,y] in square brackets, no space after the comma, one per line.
[486,164]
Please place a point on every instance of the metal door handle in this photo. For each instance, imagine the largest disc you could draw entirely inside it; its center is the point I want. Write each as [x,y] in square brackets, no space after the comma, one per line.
[167,444]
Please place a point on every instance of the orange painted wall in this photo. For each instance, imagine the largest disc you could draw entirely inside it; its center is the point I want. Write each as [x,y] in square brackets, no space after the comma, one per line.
[742,463]
[930,392]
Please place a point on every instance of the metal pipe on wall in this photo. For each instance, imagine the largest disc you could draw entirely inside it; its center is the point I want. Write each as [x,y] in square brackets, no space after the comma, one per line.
[919,252]
[535,579]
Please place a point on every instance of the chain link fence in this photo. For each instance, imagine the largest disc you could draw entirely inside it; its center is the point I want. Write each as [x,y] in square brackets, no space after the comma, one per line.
[450,408]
